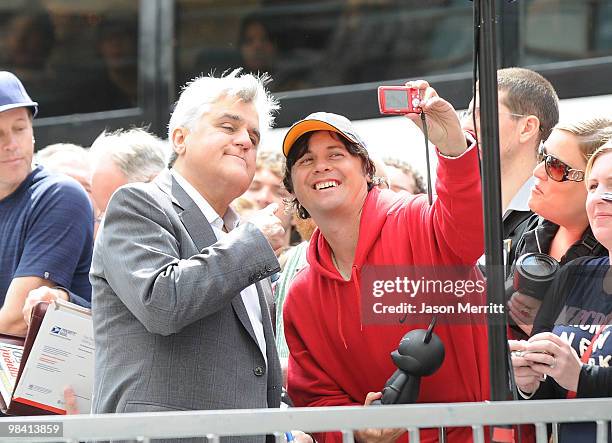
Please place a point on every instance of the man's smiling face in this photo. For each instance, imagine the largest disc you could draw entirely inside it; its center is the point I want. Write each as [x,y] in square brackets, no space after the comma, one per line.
[327,178]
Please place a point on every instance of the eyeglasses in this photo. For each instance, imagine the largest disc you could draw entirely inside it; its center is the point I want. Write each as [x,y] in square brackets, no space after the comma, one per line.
[476,111]
[556,169]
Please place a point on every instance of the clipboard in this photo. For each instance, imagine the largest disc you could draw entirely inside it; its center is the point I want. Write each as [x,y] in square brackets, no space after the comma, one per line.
[16,408]
[63,349]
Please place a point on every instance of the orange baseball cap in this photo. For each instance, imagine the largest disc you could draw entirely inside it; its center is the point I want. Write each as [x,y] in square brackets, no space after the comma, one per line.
[320,121]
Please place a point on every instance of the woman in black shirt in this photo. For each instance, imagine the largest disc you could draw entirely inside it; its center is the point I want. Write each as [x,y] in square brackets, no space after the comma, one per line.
[570,353]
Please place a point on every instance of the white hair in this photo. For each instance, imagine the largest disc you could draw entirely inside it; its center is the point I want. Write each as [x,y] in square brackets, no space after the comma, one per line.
[201,93]
[48,155]
[139,154]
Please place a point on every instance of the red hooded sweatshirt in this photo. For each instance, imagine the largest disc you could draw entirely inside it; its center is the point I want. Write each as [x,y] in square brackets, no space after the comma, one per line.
[335,360]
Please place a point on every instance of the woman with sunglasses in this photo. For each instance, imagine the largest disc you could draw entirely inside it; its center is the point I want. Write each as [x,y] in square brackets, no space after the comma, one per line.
[559,226]
[569,355]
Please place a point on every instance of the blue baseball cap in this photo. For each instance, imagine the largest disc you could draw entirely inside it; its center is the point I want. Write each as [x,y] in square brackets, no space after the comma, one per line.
[13,94]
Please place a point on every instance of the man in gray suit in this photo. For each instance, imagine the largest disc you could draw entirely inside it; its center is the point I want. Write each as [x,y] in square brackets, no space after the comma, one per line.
[180,288]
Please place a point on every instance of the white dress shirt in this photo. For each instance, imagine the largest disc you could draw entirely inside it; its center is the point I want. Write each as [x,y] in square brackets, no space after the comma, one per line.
[518,203]
[520,200]
[250,298]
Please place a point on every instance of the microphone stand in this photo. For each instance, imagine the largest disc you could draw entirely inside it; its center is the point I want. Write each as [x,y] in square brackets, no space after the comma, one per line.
[484,21]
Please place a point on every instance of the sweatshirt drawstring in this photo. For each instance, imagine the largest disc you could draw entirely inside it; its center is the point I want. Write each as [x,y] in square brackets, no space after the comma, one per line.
[356,280]
[339,316]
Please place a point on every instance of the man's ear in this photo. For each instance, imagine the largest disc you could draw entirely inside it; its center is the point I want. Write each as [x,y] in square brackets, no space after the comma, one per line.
[179,135]
[529,129]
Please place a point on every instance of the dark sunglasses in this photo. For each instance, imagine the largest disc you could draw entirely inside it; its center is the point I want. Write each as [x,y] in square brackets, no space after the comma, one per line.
[556,169]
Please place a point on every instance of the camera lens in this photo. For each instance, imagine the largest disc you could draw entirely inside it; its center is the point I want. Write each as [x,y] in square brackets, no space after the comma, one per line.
[538,265]
[533,274]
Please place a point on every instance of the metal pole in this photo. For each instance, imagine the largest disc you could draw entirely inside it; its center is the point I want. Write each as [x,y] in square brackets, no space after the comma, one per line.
[489,139]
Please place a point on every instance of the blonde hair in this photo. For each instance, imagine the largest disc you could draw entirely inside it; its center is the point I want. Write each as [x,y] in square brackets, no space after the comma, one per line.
[272,160]
[605,149]
[591,133]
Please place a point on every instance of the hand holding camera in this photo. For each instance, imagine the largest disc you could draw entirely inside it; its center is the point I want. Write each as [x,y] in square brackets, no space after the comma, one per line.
[523,310]
[533,274]
[418,97]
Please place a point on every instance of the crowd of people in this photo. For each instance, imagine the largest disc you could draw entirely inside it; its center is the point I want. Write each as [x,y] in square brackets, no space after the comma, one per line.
[220,274]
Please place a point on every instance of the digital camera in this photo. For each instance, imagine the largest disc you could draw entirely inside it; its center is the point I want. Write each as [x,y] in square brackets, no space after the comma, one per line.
[399,100]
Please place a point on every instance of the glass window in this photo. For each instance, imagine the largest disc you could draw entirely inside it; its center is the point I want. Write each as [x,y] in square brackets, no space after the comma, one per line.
[316,43]
[560,30]
[73,57]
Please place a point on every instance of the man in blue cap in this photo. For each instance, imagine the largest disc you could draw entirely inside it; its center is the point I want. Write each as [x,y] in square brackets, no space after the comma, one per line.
[46,227]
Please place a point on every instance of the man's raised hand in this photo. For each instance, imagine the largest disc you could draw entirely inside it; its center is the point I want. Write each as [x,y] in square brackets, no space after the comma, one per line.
[443,125]
[270,225]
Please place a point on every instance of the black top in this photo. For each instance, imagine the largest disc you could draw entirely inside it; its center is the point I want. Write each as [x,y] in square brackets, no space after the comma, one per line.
[545,231]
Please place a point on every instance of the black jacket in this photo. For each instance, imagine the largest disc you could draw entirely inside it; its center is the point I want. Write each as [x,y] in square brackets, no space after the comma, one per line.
[545,231]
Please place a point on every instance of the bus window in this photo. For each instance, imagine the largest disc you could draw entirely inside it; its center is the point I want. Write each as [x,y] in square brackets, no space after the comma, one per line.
[560,30]
[73,57]
[316,43]
[206,36]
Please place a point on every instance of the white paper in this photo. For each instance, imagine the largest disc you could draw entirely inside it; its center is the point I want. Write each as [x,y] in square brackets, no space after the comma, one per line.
[10,358]
[62,355]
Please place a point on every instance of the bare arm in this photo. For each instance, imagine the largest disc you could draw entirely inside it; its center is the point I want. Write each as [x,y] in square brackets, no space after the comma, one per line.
[11,315]
[41,294]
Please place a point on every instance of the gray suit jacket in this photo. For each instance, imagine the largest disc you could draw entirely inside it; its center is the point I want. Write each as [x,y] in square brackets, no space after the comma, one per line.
[171,330]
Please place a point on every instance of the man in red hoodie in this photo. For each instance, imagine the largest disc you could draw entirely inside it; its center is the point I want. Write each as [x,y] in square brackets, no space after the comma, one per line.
[335,359]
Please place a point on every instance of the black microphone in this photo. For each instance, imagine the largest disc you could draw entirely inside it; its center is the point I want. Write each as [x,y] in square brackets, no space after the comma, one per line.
[420,353]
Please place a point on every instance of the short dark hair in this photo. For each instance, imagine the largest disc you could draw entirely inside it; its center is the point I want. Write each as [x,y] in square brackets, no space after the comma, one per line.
[528,93]
[300,147]
[257,18]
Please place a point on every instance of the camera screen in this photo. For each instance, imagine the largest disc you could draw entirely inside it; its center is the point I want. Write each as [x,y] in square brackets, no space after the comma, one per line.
[396,99]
